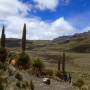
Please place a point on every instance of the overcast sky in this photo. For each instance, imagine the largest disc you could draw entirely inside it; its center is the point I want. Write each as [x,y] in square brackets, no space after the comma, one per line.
[45,19]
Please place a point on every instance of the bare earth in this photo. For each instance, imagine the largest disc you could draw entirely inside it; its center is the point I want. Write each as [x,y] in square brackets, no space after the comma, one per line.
[55,85]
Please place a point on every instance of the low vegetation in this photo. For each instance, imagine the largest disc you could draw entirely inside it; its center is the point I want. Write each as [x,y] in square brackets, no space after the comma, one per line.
[38,66]
[79,84]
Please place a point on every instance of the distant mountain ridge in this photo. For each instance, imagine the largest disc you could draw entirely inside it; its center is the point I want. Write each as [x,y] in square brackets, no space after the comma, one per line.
[78,43]
[70,37]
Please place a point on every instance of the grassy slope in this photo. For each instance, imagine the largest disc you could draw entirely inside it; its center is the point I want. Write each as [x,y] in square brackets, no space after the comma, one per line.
[77,63]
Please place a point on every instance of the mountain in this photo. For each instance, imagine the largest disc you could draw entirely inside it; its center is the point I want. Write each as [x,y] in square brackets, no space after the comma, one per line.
[30,44]
[78,42]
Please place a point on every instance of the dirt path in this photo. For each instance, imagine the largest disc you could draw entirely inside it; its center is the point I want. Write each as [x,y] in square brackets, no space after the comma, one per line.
[55,85]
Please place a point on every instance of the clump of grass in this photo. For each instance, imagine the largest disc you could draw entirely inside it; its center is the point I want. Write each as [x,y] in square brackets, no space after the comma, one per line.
[38,66]
[23,61]
[79,84]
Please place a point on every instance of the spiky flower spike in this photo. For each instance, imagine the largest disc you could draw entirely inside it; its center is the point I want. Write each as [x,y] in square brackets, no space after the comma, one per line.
[3,38]
[59,63]
[63,63]
[24,38]
[3,51]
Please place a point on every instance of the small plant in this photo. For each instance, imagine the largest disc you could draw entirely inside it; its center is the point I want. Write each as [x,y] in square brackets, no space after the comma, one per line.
[11,56]
[31,85]
[18,84]
[23,60]
[79,83]
[38,66]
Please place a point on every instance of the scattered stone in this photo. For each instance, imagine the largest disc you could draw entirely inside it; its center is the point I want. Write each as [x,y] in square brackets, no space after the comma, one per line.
[46,81]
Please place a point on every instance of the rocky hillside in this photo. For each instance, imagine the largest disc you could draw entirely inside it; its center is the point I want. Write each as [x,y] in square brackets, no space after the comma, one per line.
[77,42]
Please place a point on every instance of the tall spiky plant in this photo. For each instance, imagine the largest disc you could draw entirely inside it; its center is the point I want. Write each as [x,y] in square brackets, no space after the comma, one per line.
[63,63]
[3,38]
[23,59]
[59,63]
[3,51]
[24,38]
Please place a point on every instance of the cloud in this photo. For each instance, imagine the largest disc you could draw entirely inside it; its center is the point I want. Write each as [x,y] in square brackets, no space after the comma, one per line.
[46,4]
[15,17]
[10,8]
[49,4]
[38,29]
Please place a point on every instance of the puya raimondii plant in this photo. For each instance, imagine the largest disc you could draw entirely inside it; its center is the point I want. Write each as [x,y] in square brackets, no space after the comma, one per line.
[3,51]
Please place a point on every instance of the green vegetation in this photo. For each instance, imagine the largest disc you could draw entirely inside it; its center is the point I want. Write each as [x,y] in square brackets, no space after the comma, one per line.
[79,83]
[11,56]
[38,66]
[23,60]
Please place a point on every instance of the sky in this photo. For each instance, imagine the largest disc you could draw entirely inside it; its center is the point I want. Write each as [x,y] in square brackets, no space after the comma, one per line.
[45,19]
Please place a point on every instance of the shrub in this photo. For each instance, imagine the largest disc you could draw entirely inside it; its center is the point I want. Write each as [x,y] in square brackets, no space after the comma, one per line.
[18,84]
[38,66]
[79,83]
[3,55]
[12,55]
[23,60]
[19,77]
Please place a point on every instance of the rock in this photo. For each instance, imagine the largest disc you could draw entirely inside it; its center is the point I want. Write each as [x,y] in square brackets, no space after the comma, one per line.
[46,81]
[11,68]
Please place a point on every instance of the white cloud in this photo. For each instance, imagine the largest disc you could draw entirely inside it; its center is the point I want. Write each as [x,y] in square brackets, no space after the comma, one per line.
[38,29]
[12,7]
[13,15]
[49,4]
[46,4]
